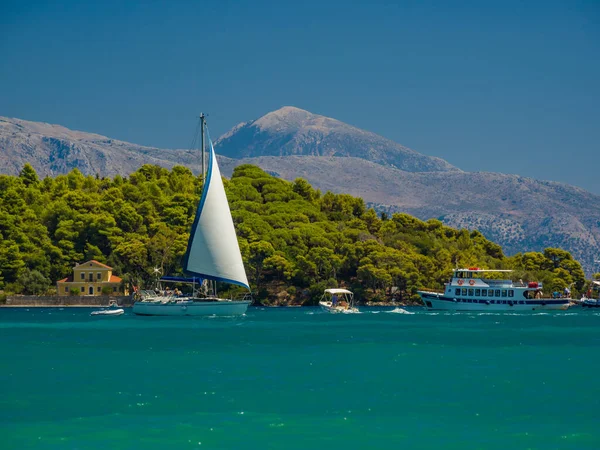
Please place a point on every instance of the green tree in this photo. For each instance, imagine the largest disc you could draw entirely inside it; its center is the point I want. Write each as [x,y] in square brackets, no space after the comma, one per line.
[33,282]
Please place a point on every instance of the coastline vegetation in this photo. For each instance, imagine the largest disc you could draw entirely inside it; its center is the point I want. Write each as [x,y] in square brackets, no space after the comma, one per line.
[295,240]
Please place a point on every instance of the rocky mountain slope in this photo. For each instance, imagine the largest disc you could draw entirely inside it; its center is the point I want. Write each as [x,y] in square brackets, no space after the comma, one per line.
[519,213]
[53,149]
[292,131]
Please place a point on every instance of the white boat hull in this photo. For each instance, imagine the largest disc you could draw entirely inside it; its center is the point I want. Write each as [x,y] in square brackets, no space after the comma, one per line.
[192,308]
[108,312]
[327,306]
[439,302]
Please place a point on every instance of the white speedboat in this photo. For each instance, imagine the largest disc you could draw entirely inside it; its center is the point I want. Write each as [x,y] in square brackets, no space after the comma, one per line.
[213,254]
[338,301]
[108,312]
[469,290]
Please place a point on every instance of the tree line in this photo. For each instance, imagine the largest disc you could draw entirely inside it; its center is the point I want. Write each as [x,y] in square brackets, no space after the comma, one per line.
[295,240]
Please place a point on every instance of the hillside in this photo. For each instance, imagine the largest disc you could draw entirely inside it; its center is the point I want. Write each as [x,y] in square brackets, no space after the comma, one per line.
[294,241]
[521,214]
[53,150]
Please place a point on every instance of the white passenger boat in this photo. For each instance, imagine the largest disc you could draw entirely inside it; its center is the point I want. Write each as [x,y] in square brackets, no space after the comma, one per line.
[469,290]
[213,254]
[338,301]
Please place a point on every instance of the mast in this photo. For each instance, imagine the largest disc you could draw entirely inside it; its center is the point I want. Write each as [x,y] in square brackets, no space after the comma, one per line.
[202,125]
[212,285]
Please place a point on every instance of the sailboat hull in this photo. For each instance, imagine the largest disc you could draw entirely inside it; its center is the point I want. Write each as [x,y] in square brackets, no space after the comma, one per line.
[192,308]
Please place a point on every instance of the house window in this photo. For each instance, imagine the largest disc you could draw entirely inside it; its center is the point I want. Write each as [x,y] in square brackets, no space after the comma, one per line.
[82,289]
[67,289]
[91,291]
[114,289]
[91,277]
[99,275]
[83,275]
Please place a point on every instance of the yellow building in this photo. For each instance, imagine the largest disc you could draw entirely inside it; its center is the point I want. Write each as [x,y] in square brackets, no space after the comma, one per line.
[89,279]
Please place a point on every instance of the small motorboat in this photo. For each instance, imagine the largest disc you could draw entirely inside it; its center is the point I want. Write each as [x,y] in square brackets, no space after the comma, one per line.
[108,312]
[591,299]
[338,301]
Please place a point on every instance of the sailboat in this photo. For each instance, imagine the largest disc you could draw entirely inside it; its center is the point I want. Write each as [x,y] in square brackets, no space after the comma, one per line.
[213,254]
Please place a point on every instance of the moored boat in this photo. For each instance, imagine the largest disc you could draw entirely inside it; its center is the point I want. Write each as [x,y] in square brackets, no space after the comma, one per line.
[108,312]
[469,290]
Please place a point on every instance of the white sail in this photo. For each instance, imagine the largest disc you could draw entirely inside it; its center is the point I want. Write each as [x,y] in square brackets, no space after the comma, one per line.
[213,251]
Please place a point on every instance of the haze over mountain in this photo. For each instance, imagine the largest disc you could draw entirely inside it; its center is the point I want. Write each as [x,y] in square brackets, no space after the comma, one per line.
[521,214]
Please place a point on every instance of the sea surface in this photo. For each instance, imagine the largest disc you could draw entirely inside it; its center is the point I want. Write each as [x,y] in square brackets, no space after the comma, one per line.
[297,378]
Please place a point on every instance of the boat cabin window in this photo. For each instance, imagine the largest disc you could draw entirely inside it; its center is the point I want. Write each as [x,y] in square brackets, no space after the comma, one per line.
[457,291]
[490,292]
[477,292]
[504,293]
[470,292]
[459,274]
[511,293]
[497,293]
[464,291]
[484,292]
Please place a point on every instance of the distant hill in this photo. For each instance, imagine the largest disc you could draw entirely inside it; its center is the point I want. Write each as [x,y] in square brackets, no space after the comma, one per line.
[519,213]
[292,131]
[53,149]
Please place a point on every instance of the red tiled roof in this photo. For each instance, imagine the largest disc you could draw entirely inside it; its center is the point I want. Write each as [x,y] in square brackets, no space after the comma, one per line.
[69,279]
[115,279]
[100,264]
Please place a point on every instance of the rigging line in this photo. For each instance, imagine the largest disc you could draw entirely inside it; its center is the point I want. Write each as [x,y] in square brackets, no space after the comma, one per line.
[195,139]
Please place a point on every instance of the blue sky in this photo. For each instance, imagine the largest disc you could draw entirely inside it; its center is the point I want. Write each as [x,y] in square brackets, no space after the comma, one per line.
[505,86]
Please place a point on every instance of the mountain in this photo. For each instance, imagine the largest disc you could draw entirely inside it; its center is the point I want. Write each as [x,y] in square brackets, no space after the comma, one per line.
[53,149]
[521,214]
[292,131]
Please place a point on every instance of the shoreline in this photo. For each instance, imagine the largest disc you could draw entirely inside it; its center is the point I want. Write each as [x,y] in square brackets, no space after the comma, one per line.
[59,306]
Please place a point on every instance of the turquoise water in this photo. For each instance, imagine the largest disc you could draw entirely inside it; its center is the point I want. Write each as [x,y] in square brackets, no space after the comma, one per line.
[297,378]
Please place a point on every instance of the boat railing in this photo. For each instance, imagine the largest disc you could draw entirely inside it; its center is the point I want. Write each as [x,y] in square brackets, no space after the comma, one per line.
[497,282]
[243,297]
